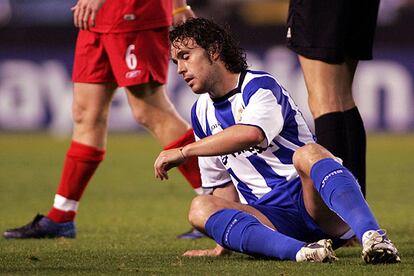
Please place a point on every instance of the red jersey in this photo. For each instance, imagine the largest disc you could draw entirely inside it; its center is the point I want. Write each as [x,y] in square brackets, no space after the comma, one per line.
[118,16]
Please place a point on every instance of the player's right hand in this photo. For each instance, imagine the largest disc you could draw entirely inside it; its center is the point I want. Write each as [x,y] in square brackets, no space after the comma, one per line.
[84,13]
[167,160]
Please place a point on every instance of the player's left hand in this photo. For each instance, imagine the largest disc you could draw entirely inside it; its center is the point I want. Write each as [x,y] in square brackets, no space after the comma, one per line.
[182,17]
[167,160]
[84,13]
[213,252]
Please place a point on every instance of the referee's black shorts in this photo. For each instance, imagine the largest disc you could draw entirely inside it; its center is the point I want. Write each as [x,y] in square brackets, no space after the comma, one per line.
[332,30]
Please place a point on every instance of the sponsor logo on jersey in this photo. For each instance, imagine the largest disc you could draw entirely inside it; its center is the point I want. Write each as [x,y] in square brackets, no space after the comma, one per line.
[129,17]
[255,150]
[132,74]
[214,126]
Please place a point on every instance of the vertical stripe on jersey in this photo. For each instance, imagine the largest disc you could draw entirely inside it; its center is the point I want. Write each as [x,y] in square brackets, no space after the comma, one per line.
[289,115]
[283,153]
[198,130]
[271,178]
[208,129]
[267,82]
[224,114]
[243,189]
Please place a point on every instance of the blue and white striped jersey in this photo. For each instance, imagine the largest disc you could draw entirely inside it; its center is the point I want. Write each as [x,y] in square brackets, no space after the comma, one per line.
[258,100]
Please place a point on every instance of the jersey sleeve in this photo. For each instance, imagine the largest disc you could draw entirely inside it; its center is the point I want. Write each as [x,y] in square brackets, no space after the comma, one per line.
[265,112]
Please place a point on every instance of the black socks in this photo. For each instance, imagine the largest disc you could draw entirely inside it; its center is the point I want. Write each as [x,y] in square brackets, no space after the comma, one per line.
[357,146]
[343,134]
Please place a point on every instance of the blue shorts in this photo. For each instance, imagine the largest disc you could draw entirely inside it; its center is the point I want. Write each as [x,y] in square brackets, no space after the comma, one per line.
[290,217]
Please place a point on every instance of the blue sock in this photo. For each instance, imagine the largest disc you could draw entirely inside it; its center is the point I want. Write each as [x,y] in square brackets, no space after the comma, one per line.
[341,192]
[242,232]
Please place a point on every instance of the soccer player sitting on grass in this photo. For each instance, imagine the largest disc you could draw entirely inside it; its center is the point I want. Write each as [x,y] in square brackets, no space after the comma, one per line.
[276,193]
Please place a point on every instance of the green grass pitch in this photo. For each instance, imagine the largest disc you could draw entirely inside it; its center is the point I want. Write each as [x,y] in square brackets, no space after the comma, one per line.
[128,220]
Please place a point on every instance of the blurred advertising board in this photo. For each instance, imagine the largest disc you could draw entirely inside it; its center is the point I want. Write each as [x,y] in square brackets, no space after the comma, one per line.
[36,89]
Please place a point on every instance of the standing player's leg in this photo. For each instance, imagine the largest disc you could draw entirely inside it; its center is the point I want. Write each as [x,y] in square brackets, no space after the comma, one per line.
[324,178]
[90,111]
[152,109]
[338,124]
[140,63]
[328,60]
[91,104]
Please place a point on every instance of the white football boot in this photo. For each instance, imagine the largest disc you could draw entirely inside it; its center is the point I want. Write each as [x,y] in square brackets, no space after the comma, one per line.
[320,252]
[378,249]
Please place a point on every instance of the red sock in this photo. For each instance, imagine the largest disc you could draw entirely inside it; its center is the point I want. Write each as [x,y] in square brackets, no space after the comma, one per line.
[190,168]
[80,164]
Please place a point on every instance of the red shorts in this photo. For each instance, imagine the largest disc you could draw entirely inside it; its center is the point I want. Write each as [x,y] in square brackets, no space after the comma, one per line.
[124,58]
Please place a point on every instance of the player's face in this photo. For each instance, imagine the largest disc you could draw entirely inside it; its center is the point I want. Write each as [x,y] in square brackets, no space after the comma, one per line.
[194,64]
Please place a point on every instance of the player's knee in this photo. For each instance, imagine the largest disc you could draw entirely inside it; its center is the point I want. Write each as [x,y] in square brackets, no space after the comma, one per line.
[299,157]
[201,209]
[88,118]
[148,115]
[306,156]
[143,117]
[78,113]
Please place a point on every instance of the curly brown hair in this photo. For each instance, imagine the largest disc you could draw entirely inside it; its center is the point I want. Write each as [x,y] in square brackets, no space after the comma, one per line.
[213,38]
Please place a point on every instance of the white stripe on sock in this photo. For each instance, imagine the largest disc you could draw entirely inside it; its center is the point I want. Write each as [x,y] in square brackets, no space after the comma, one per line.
[64,204]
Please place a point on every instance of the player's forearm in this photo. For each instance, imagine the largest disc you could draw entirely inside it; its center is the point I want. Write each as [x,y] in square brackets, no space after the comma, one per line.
[233,139]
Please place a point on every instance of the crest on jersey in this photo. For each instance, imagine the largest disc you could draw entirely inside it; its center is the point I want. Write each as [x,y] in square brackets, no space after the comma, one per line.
[239,114]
